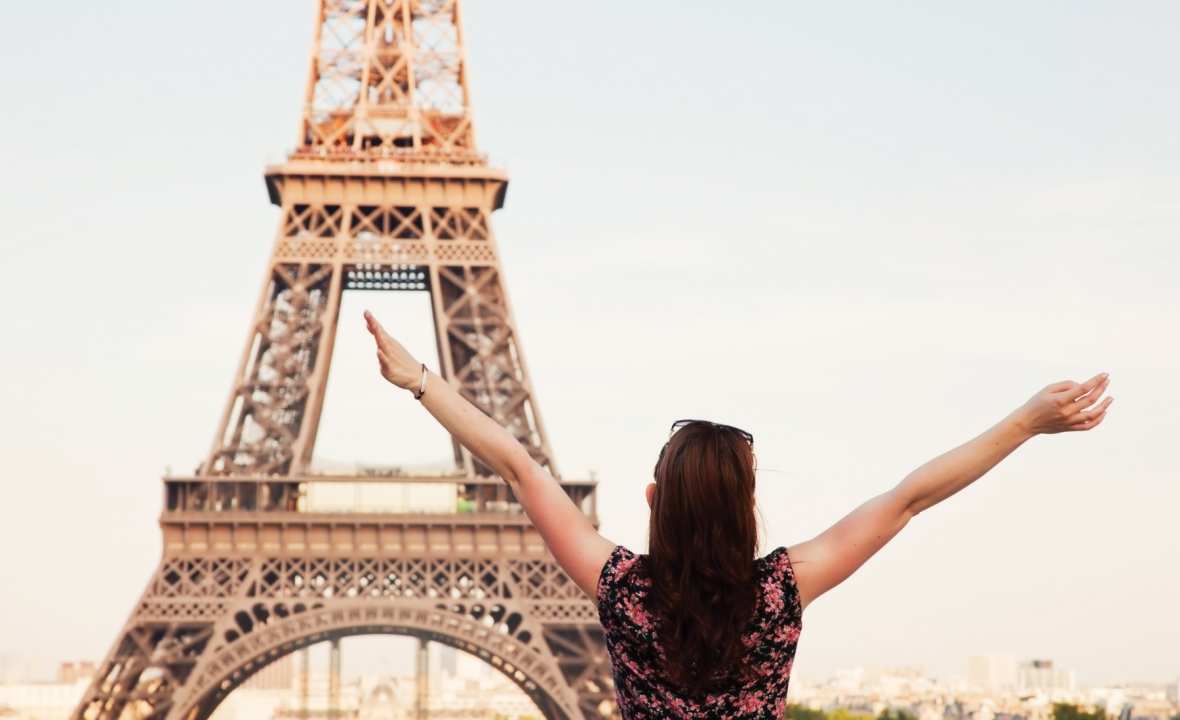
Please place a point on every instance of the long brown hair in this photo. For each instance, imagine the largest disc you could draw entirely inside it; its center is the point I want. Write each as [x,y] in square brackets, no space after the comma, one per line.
[702,539]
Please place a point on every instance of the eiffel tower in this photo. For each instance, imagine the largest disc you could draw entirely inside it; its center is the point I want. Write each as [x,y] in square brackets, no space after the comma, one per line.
[384,191]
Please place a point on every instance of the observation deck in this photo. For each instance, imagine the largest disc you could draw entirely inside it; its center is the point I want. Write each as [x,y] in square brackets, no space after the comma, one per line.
[378,513]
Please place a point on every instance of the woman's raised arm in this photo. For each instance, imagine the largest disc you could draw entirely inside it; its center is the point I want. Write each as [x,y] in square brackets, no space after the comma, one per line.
[571,537]
[832,556]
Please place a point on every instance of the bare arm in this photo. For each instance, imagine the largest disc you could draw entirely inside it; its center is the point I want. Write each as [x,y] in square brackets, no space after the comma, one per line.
[571,537]
[831,557]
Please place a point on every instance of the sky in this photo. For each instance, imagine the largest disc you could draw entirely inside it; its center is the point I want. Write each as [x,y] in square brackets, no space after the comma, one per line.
[864,232]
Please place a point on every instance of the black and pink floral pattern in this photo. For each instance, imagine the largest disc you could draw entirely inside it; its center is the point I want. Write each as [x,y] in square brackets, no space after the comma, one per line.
[635,652]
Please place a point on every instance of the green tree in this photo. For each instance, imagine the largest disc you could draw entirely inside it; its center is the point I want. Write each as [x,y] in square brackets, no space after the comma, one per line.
[1071,711]
[843,714]
[896,714]
[798,712]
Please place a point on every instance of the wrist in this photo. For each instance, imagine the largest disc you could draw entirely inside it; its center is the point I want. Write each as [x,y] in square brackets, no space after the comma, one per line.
[1020,423]
[417,386]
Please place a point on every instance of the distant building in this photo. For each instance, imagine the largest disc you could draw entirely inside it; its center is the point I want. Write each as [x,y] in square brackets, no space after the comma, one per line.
[992,673]
[1042,676]
[41,701]
[898,681]
[1173,692]
[448,660]
[1144,709]
[279,675]
[847,679]
[69,673]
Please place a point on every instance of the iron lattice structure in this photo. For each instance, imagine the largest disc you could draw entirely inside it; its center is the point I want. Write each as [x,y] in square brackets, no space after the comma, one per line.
[385,190]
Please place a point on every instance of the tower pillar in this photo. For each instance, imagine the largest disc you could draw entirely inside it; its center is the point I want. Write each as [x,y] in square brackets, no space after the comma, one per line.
[334,706]
[422,677]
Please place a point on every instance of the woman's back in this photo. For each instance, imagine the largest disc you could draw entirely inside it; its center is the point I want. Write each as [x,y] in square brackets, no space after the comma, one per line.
[635,651]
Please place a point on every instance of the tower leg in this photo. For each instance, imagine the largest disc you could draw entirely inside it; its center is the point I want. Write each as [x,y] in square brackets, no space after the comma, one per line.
[334,679]
[423,677]
[304,681]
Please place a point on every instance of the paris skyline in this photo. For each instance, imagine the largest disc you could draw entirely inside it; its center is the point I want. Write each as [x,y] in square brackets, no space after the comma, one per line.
[865,262]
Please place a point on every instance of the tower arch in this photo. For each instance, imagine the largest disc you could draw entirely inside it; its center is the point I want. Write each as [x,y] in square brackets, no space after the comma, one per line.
[234,662]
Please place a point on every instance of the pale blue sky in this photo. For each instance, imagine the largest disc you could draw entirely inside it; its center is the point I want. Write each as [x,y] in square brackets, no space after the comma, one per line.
[864,232]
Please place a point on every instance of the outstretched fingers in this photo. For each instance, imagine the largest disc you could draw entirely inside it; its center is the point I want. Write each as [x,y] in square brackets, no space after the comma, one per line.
[1087,394]
[372,324]
[376,330]
[395,361]
[1087,419]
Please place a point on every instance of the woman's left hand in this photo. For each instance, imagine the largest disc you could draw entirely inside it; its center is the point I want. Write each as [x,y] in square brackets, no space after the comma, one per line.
[398,366]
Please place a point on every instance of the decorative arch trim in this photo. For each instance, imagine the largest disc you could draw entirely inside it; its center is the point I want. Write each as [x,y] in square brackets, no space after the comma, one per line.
[226,667]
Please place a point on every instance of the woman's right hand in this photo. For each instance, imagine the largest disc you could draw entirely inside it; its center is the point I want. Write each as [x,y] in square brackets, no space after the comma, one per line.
[1066,405]
[398,366]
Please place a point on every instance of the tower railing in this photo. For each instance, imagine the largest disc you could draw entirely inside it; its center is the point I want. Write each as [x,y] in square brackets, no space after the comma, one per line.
[452,495]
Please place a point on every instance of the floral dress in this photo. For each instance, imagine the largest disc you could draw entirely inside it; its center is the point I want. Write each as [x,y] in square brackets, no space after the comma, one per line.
[635,652]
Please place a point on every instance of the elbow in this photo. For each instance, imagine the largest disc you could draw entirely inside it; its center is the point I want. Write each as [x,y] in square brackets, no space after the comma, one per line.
[511,477]
[904,514]
[911,505]
[908,513]
[508,472]
[515,466]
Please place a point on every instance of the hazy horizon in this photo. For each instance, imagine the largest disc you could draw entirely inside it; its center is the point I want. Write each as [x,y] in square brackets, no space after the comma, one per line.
[863,235]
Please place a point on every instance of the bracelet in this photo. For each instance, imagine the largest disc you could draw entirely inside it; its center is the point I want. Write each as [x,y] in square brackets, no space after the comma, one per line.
[422,385]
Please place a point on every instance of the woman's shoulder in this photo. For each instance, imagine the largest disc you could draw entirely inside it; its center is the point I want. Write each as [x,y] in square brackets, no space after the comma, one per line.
[622,580]
[778,580]
[621,562]
[624,562]
[778,558]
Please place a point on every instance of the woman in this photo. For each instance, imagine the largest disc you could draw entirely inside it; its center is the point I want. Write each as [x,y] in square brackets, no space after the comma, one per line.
[699,627]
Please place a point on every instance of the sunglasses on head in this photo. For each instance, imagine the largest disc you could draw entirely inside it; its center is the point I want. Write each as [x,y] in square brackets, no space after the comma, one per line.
[681,423]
